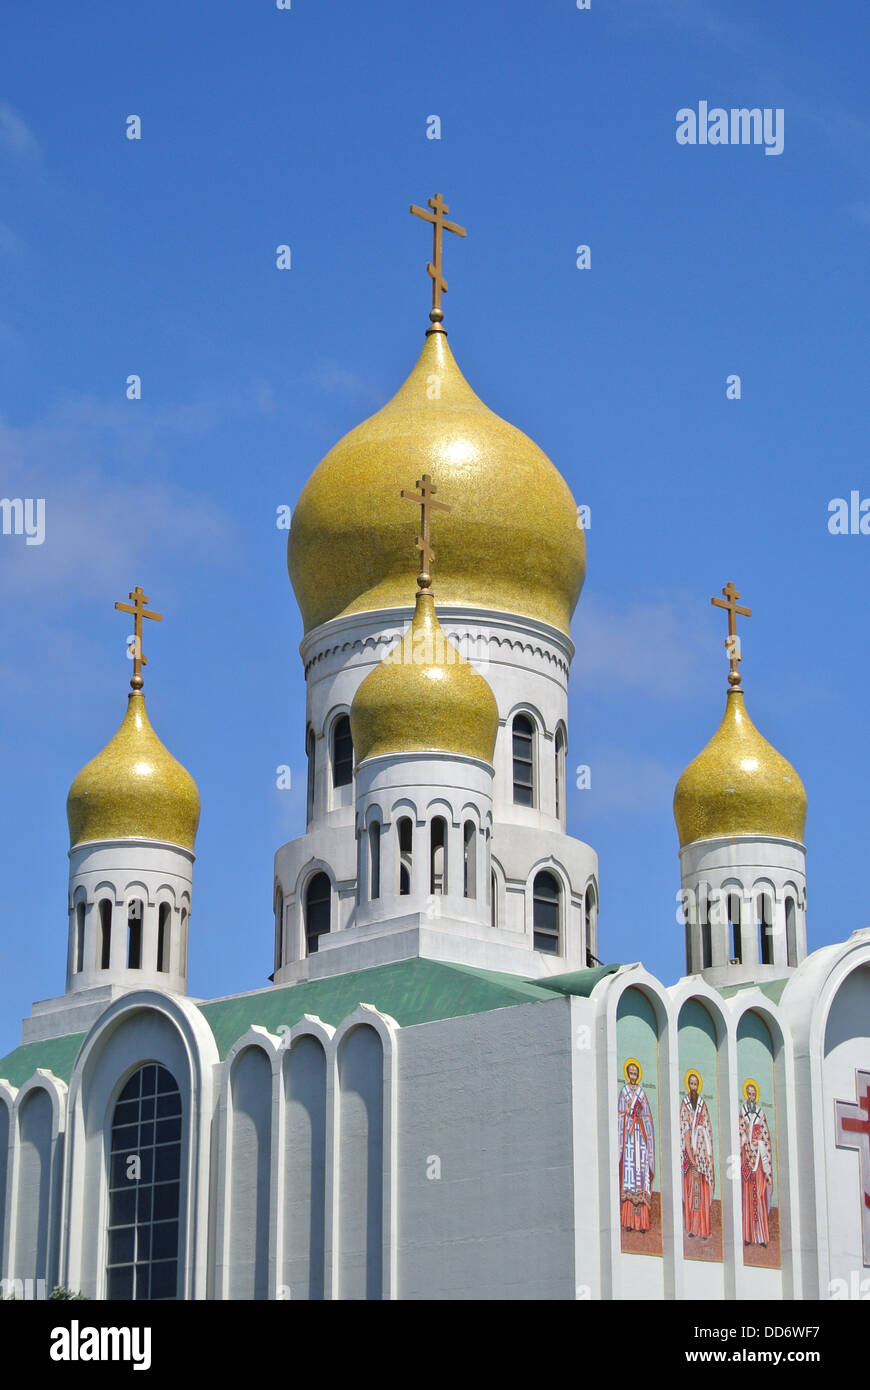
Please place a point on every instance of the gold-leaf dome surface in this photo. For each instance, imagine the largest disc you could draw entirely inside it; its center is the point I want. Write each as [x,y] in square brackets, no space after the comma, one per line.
[739,785]
[424,697]
[134,789]
[511,542]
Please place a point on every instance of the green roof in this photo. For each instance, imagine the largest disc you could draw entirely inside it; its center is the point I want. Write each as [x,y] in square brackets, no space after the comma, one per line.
[56,1055]
[772,988]
[410,991]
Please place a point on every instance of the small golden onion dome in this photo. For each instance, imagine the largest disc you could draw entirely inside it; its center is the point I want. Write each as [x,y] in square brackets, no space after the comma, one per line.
[512,542]
[424,697]
[739,785]
[133,789]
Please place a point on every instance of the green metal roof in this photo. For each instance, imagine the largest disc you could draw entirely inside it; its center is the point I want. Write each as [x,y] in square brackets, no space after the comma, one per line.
[410,991]
[772,988]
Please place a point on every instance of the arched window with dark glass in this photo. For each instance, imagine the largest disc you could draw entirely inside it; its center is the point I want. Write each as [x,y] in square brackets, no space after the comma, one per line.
[523,756]
[438,855]
[560,773]
[134,934]
[145,1172]
[318,905]
[493,899]
[164,927]
[545,912]
[183,929]
[734,923]
[279,927]
[374,859]
[590,913]
[342,752]
[406,843]
[790,933]
[105,910]
[79,946]
[469,860]
[309,795]
[765,930]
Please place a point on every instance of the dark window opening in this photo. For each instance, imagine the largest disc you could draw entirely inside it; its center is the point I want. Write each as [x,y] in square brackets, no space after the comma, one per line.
[318,904]
[523,734]
[342,752]
[545,912]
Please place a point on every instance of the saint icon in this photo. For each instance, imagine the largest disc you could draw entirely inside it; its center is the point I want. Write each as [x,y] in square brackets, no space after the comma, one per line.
[637,1150]
[756,1167]
[696,1152]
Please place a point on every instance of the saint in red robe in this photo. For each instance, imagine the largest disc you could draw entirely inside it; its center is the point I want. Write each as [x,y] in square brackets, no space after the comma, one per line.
[696,1143]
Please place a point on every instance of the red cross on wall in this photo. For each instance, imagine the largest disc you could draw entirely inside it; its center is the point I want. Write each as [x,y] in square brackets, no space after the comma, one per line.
[853,1132]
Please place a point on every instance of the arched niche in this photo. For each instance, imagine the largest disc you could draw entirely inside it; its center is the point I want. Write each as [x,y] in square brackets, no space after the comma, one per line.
[700,1130]
[638,1124]
[757,1136]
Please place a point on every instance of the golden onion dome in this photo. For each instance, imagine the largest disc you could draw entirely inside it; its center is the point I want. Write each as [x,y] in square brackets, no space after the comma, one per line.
[134,789]
[512,542]
[739,785]
[424,697]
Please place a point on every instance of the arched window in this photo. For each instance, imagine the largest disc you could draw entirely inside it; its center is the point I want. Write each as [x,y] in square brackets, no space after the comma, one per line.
[523,736]
[184,925]
[590,913]
[704,919]
[469,850]
[309,795]
[734,921]
[144,1196]
[163,931]
[79,947]
[318,904]
[342,752]
[134,934]
[493,898]
[545,912]
[374,859]
[560,773]
[765,930]
[279,927]
[438,855]
[790,932]
[406,842]
[105,933]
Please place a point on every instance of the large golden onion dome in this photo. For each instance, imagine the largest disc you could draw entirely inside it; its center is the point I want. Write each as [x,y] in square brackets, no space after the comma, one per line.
[424,697]
[739,785]
[512,542]
[134,789]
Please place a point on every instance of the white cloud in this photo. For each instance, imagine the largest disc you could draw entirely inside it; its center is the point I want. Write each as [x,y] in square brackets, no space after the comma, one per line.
[16,138]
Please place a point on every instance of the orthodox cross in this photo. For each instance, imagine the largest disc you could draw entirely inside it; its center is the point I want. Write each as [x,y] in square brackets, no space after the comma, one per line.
[428,505]
[853,1132]
[137,608]
[435,266]
[732,641]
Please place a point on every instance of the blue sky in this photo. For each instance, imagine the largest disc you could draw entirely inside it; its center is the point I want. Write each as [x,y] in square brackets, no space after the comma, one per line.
[308,127]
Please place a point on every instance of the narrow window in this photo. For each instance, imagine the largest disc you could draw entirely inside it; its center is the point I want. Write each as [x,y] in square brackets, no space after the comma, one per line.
[163,930]
[342,752]
[144,1230]
[406,841]
[105,933]
[790,933]
[545,912]
[591,923]
[493,898]
[765,930]
[279,928]
[734,920]
[309,800]
[375,859]
[438,855]
[318,896]
[184,924]
[134,934]
[706,934]
[523,765]
[79,956]
[469,848]
[560,773]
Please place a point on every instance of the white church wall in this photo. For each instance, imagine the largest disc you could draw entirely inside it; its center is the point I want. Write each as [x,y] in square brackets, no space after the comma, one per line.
[34,1176]
[304,1201]
[7,1101]
[846,1061]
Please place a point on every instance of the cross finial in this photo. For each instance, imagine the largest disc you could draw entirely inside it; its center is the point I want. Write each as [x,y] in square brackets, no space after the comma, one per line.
[137,608]
[427,505]
[732,641]
[435,267]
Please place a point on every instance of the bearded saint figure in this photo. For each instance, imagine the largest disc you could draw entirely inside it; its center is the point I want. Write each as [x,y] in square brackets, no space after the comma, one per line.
[756,1168]
[637,1151]
[696,1147]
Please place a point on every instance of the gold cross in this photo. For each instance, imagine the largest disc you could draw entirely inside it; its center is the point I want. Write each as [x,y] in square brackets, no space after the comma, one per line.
[435,266]
[427,505]
[139,612]
[732,641]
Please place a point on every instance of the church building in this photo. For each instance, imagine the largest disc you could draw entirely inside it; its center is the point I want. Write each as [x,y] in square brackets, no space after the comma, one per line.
[444,1093]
